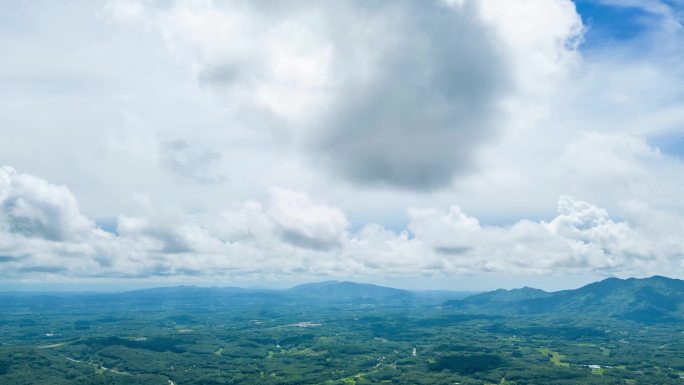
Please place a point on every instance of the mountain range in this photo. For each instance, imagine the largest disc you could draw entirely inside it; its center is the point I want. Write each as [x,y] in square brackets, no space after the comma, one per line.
[648,300]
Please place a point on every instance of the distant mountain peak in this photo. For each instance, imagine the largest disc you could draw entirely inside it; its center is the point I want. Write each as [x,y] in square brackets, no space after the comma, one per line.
[346,290]
[335,283]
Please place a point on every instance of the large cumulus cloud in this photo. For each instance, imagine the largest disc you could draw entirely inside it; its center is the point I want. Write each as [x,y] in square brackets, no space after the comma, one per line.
[42,229]
[31,207]
[396,93]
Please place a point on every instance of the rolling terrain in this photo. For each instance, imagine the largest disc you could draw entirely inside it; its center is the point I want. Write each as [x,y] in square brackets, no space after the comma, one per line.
[610,332]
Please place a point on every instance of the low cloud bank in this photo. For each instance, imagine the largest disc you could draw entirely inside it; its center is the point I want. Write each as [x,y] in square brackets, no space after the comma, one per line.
[44,234]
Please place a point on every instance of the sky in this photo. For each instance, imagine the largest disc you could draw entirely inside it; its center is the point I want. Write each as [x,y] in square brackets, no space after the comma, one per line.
[446,144]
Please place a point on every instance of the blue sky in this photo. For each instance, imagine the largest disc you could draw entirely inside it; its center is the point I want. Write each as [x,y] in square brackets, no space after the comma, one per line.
[463,144]
[608,24]
[630,25]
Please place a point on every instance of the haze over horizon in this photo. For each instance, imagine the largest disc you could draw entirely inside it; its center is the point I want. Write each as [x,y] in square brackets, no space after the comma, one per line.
[455,144]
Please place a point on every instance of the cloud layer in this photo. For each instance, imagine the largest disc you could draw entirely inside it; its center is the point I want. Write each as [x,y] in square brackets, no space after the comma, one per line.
[172,120]
[43,234]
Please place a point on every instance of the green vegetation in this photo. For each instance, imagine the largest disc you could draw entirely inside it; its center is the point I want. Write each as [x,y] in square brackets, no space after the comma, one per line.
[598,371]
[554,357]
[210,337]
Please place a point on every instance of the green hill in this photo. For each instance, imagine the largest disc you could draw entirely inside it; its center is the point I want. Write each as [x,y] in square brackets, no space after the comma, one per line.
[654,299]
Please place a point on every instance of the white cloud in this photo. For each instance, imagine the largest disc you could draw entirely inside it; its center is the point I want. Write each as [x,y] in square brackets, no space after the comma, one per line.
[542,39]
[33,208]
[307,223]
[293,236]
